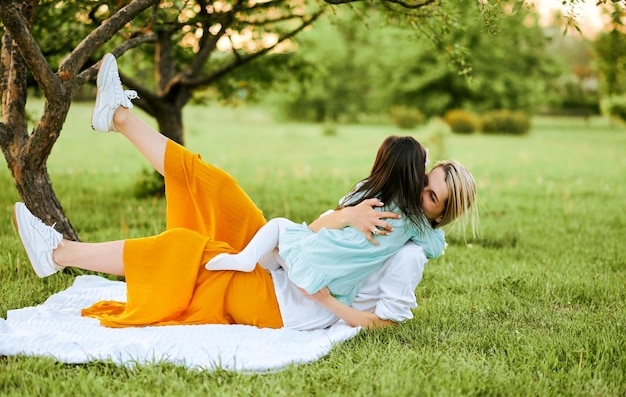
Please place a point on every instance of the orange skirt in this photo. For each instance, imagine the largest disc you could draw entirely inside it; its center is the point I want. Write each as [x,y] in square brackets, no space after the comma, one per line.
[207,214]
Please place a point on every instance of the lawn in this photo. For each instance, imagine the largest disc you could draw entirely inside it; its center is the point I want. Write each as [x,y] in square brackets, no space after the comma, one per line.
[534,306]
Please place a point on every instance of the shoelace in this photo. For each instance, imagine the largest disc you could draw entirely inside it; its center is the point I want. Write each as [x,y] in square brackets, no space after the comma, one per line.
[127,94]
[131,94]
[51,237]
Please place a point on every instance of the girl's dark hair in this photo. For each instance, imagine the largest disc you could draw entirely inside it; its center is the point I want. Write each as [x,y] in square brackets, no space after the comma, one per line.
[398,177]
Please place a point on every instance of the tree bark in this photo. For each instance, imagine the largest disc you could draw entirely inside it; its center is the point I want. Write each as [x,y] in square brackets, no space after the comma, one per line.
[170,121]
[26,155]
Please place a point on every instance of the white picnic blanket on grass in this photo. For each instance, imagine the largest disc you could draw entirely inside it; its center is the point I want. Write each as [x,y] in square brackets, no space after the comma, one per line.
[56,329]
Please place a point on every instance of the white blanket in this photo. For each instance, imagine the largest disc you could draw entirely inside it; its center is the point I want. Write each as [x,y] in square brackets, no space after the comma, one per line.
[57,329]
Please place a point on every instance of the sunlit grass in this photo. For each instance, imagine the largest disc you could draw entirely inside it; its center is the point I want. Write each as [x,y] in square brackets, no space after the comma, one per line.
[534,306]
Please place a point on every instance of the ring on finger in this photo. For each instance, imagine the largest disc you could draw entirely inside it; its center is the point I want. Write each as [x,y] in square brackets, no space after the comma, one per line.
[375,231]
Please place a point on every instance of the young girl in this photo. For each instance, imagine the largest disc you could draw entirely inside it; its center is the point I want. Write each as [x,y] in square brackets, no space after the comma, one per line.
[342,259]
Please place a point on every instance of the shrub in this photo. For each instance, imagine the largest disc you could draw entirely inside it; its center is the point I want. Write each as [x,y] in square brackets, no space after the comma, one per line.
[615,106]
[149,184]
[505,122]
[435,135]
[406,118]
[462,121]
[329,129]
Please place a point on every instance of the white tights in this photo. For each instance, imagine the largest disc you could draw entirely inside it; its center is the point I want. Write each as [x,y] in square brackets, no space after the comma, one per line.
[263,242]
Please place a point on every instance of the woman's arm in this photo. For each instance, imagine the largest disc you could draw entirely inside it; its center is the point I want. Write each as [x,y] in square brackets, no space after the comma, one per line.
[353,317]
[362,217]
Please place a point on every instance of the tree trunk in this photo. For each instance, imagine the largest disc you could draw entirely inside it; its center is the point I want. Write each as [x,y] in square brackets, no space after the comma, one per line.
[35,189]
[26,154]
[170,121]
[171,100]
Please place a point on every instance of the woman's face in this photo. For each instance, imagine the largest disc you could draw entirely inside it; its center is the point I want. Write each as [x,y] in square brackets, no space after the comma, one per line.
[435,195]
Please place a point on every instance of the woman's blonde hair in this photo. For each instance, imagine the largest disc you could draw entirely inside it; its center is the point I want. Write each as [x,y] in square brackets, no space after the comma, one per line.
[461,204]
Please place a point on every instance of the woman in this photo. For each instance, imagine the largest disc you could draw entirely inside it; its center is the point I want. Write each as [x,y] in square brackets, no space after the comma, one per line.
[208,214]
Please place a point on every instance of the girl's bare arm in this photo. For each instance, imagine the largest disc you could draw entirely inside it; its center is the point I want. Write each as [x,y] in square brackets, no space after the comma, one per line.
[353,317]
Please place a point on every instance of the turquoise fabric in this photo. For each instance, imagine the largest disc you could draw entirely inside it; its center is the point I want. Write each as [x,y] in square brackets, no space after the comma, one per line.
[342,259]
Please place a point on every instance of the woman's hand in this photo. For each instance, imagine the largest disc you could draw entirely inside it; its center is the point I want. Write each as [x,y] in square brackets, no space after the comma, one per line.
[367,220]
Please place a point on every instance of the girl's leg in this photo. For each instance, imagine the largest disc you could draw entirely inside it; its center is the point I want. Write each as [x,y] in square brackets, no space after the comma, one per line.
[263,242]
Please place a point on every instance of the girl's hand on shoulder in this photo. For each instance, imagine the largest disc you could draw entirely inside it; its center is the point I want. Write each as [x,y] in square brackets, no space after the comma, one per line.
[367,220]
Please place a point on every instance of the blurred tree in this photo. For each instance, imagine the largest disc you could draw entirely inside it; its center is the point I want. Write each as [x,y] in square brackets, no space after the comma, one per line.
[341,63]
[610,57]
[510,69]
[462,68]
[575,91]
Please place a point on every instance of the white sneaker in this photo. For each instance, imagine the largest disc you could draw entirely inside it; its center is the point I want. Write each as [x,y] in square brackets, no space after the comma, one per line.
[38,239]
[109,95]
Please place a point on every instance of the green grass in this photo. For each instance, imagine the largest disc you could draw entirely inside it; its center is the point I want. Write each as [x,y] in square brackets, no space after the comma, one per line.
[534,306]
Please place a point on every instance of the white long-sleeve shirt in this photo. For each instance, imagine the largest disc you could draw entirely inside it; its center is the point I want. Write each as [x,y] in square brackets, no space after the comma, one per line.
[389,292]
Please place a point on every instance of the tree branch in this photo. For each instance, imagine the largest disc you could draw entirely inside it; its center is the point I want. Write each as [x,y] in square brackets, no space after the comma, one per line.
[245,59]
[208,43]
[79,56]
[404,4]
[91,71]
[266,5]
[17,25]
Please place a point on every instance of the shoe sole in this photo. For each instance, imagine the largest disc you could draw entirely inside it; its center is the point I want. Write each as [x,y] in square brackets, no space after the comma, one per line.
[17,228]
[106,56]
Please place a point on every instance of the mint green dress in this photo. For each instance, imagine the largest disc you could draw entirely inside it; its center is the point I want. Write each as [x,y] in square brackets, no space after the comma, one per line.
[341,259]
